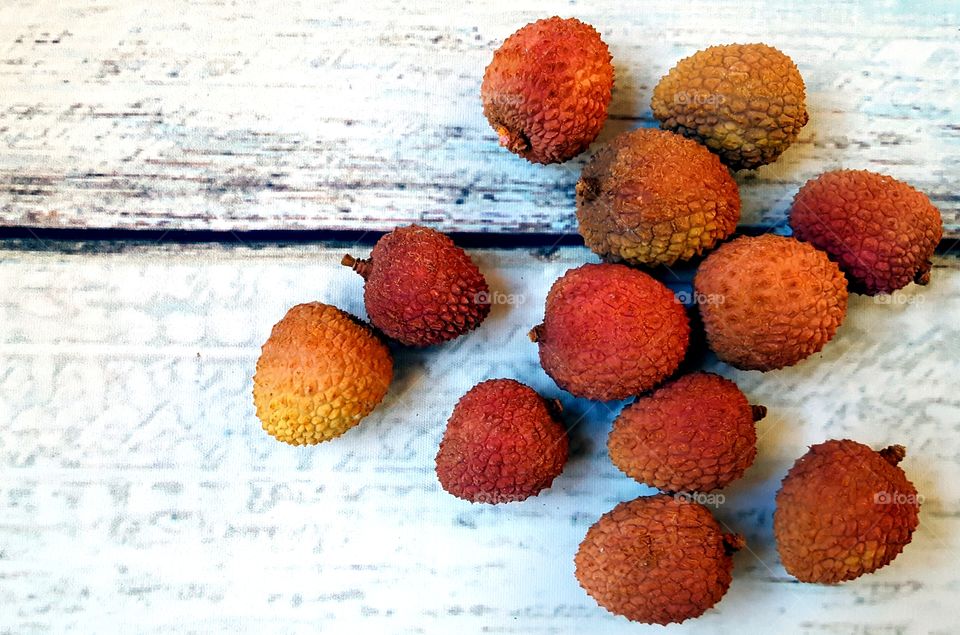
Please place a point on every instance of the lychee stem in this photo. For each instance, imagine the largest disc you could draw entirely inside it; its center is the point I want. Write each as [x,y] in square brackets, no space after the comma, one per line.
[922,276]
[759,412]
[536,333]
[512,141]
[893,454]
[733,543]
[588,189]
[555,408]
[359,265]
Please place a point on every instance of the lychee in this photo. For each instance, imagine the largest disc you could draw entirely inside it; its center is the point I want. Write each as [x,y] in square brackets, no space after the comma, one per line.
[610,332]
[421,289]
[503,443]
[844,510]
[743,101]
[657,560]
[547,90]
[320,372]
[880,230]
[652,197]
[693,434]
[769,301]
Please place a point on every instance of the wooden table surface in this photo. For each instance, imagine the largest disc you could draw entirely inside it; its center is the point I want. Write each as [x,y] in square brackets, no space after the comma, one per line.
[137,490]
[250,114]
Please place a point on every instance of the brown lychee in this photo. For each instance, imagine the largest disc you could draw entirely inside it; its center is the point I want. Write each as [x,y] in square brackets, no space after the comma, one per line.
[547,90]
[320,372]
[769,301]
[610,332]
[880,230]
[694,434]
[503,443]
[746,102]
[421,289]
[844,510]
[653,197]
[657,560]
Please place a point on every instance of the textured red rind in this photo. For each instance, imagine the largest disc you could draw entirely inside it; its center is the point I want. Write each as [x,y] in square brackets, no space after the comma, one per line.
[654,197]
[844,510]
[610,332]
[769,301]
[745,102]
[696,433]
[421,289]
[547,90]
[502,444]
[880,230]
[656,560]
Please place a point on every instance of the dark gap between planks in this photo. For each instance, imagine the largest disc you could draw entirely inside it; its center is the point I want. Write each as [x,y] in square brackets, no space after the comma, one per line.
[88,239]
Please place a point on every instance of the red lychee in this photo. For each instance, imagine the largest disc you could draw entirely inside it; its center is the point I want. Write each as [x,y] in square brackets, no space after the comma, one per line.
[421,289]
[547,90]
[502,444]
[694,434]
[610,332]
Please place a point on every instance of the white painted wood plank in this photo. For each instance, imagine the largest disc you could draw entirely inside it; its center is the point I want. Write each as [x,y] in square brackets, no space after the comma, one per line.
[138,493]
[344,115]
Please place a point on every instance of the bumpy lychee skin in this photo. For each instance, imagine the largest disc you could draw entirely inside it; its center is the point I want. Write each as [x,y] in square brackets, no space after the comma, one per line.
[880,230]
[657,560]
[502,444]
[610,332]
[769,301]
[320,372]
[421,289]
[653,197]
[547,90]
[696,433]
[746,102]
[844,510]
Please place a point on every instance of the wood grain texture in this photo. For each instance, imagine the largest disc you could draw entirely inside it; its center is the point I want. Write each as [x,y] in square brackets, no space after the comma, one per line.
[139,494]
[207,114]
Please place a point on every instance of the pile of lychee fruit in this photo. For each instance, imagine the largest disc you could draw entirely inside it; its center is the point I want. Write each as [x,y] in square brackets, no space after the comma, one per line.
[612,331]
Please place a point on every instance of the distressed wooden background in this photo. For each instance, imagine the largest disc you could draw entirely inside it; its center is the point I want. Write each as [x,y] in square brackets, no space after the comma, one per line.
[137,490]
[248,114]
[139,494]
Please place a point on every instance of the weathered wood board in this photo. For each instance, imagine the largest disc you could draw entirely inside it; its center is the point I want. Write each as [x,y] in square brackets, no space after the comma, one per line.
[138,493]
[250,115]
